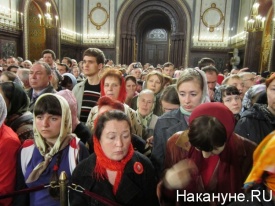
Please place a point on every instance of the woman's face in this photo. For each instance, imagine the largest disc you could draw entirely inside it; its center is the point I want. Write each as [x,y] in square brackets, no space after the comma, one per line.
[75,72]
[112,87]
[115,139]
[190,95]
[130,87]
[270,92]
[48,126]
[154,84]
[167,107]
[145,104]
[233,102]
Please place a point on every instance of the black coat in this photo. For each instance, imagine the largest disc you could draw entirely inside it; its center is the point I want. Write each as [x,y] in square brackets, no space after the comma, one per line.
[256,123]
[134,189]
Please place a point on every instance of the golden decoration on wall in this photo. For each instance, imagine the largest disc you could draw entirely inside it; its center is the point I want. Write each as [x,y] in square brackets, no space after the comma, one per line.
[98,16]
[266,51]
[209,21]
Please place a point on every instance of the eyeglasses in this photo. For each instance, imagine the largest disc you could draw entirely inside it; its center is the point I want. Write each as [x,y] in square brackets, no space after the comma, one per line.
[251,79]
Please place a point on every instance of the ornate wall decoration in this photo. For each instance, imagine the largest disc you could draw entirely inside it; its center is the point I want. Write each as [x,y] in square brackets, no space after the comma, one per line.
[209,21]
[98,16]
[157,35]
[8,48]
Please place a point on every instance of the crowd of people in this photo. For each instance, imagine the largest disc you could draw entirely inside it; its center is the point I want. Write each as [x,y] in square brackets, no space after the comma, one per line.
[134,134]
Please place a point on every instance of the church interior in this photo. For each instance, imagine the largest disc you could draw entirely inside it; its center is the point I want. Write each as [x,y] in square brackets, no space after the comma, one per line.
[153,31]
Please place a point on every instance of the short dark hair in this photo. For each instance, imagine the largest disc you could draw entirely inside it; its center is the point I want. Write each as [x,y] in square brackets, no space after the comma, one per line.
[132,78]
[206,62]
[170,95]
[11,67]
[210,68]
[207,133]
[48,104]
[97,53]
[108,116]
[49,51]
[64,65]
[168,64]
[69,60]
[228,90]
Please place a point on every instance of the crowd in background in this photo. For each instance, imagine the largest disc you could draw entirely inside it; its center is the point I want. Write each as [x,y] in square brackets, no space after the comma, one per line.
[134,134]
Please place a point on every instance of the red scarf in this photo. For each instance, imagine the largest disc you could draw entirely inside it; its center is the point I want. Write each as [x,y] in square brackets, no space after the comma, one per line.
[103,163]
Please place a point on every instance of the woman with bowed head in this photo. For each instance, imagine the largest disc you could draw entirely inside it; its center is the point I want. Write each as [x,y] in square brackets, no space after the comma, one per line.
[9,146]
[209,158]
[115,171]
[112,85]
[192,91]
[54,149]
[154,81]
[18,117]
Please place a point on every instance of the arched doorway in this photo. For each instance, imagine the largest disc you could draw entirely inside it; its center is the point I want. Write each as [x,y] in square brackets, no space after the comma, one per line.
[153,34]
[138,18]
[37,38]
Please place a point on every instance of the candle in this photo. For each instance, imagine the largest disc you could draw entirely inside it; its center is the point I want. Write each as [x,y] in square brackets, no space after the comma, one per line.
[39,16]
[245,23]
[255,9]
[262,23]
[56,20]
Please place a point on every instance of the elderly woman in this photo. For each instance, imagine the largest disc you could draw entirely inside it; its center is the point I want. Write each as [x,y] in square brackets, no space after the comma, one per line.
[192,91]
[154,81]
[258,121]
[9,145]
[115,171]
[54,149]
[209,158]
[18,118]
[146,102]
[112,84]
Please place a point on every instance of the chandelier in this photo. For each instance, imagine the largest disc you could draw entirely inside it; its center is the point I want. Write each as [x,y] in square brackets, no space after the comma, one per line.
[47,20]
[256,22]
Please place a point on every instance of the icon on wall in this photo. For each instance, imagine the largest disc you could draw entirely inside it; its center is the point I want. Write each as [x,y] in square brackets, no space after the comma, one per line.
[98,16]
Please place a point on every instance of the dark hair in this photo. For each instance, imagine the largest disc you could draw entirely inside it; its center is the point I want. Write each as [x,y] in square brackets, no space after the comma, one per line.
[209,69]
[132,78]
[65,81]
[64,65]
[207,133]
[48,104]
[11,67]
[11,76]
[205,62]
[48,51]
[228,90]
[97,53]
[167,64]
[108,116]
[170,95]
[69,60]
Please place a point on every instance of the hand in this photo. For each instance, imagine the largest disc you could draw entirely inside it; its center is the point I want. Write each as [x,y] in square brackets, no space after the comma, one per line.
[150,141]
[179,176]
[211,94]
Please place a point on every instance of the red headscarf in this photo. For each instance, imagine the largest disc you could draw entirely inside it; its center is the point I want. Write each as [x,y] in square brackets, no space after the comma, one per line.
[229,178]
[114,73]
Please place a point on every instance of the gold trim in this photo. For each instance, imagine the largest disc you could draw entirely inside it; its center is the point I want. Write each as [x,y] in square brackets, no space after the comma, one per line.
[98,24]
[213,8]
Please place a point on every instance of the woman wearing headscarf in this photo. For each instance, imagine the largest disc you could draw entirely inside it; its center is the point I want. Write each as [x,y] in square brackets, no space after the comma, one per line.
[18,117]
[54,149]
[115,171]
[9,145]
[145,106]
[258,121]
[192,90]
[209,158]
[112,84]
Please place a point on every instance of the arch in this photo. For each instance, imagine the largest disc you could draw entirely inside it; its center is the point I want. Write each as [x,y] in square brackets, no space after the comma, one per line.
[26,6]
[132,12]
